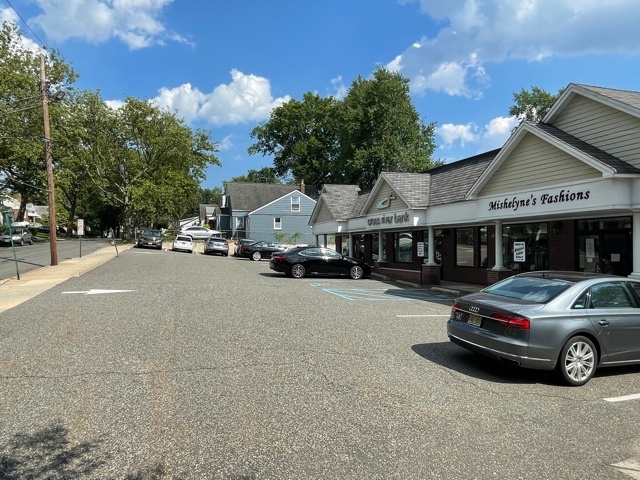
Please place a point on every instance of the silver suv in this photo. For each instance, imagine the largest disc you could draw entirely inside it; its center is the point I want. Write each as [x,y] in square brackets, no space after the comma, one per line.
[217,245]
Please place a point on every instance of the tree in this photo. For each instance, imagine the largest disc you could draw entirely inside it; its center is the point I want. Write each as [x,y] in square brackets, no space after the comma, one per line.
[533,105]
[144,160]
[22,157]
[264,175]
[303,138]
[325,140]
[382,131]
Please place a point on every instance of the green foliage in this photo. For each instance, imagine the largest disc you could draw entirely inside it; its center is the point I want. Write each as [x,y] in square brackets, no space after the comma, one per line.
[22,158]
[324,140]
[533,105]
[264,175]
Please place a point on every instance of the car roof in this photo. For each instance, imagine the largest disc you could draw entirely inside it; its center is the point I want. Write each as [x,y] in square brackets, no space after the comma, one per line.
[568,276]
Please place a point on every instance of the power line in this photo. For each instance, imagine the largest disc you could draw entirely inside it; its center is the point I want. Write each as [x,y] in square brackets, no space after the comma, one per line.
[26,24]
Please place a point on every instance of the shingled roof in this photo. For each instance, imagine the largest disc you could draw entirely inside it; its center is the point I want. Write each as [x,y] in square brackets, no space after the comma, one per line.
[413,187]
[614,163]
[451,182]
[340,200]
[623,96]
[246,196]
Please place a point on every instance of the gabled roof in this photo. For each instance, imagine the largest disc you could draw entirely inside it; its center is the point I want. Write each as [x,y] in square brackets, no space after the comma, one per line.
[592,156]
[411,188]
[295,192]
[613,163]
[339,199]
[451,182]
[624,100]
[245,196]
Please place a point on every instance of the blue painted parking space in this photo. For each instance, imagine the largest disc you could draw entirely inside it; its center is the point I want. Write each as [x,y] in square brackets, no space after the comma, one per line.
[387,294]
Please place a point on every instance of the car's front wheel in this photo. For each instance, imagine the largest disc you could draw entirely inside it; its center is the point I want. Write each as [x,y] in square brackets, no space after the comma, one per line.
[256,256]
[298,271]
[356,272]
[578,361]
[21,242]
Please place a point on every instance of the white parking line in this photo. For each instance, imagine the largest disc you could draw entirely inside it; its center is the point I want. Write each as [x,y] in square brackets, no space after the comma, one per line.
[411,316]
[624,398]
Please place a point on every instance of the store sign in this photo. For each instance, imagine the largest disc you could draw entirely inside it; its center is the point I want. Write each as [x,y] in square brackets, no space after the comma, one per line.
[385,202]
[519,252]
[548,198]
[389,220]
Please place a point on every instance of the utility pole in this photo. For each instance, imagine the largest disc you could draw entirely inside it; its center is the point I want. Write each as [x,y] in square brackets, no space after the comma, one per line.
[53,240]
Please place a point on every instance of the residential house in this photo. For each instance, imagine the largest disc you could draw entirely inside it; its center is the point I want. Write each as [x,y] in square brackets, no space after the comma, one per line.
[265,211]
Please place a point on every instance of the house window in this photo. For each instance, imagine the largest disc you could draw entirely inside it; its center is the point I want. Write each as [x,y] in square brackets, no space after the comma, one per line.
[295,204]
[239,223]
[277,223]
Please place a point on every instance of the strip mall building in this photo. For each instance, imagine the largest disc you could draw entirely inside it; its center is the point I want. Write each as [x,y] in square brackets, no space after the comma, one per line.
[561,194]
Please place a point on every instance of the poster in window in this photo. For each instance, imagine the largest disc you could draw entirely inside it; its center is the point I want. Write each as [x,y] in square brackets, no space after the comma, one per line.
[519,252]
[590,247]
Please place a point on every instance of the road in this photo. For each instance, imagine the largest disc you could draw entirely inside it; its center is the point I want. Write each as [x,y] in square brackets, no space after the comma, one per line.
[38,255]
[201,367]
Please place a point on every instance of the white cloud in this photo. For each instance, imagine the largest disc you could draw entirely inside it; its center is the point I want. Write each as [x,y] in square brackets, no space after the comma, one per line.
[451,134]
[246,98]
[9,15]
[493,135]
[477,33]
[226,143]
[114,104]
[137,23]
[340,89]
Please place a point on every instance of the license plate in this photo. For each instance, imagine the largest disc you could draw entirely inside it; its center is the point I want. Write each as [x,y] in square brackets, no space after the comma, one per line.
[474,320]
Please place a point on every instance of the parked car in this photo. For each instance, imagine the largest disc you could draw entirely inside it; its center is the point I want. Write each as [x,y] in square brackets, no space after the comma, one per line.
[261,249]
[239,243]
[20,236]
[217,245]
[570,321]
[199,233]
[298,262]
[183,243]
[150,238]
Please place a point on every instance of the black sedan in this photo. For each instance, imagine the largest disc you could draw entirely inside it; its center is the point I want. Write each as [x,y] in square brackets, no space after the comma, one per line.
[299,261]
[569,321]
[262,249]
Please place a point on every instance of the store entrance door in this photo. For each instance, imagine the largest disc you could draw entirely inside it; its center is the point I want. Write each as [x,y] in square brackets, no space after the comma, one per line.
[605,245]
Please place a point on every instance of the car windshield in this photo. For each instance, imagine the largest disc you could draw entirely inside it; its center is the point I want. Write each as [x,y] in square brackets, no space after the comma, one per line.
[533,289]
[152,233]
[182,238]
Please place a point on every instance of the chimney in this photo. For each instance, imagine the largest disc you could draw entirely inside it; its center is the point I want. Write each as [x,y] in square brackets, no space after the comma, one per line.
[301,186]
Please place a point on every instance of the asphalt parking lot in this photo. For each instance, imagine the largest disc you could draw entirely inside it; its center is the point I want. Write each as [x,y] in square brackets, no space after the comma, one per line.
[160,364]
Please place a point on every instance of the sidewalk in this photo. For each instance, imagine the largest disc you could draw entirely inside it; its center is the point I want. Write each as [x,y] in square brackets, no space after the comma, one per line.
[14,292]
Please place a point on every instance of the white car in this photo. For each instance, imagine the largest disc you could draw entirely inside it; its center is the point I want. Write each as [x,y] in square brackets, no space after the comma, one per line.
[183,243]
[199,233]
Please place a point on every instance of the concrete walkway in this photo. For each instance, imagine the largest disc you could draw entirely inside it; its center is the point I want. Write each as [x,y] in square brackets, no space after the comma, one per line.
[13,291]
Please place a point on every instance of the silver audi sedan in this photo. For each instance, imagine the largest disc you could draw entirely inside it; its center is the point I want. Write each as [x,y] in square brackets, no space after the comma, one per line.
[568,321]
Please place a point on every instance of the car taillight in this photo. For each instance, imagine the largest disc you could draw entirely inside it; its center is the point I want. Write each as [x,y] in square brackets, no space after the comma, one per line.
[512,321]
[454,307]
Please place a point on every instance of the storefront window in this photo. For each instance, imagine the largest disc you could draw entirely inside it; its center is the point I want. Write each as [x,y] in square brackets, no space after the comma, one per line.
[403,247]
[375,247]
[526,247]
[464,247]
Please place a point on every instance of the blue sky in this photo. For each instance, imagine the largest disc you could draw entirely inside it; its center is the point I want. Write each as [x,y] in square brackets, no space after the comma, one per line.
[223,66]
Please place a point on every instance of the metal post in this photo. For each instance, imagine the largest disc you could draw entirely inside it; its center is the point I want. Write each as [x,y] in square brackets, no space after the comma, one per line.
[53,239]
